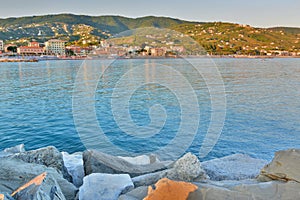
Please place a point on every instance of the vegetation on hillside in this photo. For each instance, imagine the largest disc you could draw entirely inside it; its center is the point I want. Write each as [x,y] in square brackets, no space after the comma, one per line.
[216,38]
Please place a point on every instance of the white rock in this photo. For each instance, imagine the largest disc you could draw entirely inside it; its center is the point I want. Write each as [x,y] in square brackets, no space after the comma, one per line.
[104,186]
[233,167]
[74,165]
[16,149]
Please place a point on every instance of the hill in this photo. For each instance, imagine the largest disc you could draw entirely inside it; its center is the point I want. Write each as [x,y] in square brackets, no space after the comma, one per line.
[216,37]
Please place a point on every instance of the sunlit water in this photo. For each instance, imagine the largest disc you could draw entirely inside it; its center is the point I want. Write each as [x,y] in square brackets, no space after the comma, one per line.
[262,110]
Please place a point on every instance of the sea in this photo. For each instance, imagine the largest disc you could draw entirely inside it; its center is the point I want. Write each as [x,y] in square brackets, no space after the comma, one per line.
[212,107]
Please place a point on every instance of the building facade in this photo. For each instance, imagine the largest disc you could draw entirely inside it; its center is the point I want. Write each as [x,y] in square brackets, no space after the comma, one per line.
[55,47]
[30,50]
[33,48]
[1,45]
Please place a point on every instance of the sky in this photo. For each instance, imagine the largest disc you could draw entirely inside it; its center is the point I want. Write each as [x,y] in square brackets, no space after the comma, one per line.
[258,13]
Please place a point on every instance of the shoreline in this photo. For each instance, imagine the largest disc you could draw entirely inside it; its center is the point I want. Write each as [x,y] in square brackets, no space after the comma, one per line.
[8,60]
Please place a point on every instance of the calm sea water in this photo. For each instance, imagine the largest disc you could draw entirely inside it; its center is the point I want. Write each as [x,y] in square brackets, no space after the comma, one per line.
[262,109]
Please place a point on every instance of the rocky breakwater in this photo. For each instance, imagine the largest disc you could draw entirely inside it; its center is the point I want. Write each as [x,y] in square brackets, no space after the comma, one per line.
[47,174]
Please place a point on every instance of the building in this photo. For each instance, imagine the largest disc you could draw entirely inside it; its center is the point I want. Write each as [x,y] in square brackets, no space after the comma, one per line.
[34,44]
[55,47]
[157,51]
[79,51]
[33,48]
[27,50]
[1,45]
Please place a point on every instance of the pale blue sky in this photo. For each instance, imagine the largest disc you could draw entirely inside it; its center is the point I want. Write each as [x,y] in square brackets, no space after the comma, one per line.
[260,13]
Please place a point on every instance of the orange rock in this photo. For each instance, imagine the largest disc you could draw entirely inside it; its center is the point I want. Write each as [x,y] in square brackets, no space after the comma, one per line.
[167,189]
[37,181]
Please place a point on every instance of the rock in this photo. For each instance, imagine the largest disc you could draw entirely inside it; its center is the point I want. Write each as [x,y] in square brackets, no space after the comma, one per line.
[209,192]
[285,166]
[187,168]
[233,167]
[168,189]
[149,179]
[16,149]
[74,166]
[135,194]
[41,187]
[14,173]
[244,190]
[271,190]
[141,160]
[97,162]
[48,156]
[104,186]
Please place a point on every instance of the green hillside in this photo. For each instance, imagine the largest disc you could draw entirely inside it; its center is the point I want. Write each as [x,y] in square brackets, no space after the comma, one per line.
[216,37]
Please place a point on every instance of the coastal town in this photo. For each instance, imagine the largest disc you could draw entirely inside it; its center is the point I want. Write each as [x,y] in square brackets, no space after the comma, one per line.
[57,49]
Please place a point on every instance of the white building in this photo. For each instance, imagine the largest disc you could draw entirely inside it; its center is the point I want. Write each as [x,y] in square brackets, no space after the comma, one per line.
[1,45]
[56,47]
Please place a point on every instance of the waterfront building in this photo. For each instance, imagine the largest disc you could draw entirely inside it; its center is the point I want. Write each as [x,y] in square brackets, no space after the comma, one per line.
[33,48]
[55,47]
[1,45]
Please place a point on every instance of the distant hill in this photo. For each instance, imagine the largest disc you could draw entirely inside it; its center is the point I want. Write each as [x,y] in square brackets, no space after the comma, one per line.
[216,37]
[67,25]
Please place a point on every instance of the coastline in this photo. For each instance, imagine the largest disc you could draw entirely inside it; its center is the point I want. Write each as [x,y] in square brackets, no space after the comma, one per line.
[37,59]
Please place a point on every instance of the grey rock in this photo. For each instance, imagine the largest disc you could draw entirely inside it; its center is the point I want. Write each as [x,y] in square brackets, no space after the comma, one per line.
[233,167]
[187,168]
[242,190]
[16,149]
[74,165]
[285,166]
[104,186]
[48,190]
[48,156]
[149,179]
[135,194]
[97,162]
[14,173]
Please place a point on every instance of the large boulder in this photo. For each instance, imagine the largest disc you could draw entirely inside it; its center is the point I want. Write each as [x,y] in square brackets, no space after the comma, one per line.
[48,156]
[74,165]
[168,189]
[285,166]
[233,167]
[187,168]
[104,186]
[41,187]
[14,173]
[97,162]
